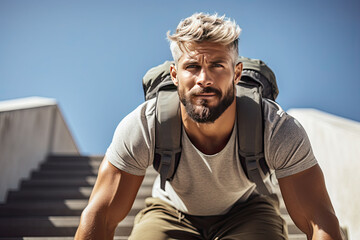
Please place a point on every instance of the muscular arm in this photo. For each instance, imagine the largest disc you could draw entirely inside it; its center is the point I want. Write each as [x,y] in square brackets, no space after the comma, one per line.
[309,205]
[110,201]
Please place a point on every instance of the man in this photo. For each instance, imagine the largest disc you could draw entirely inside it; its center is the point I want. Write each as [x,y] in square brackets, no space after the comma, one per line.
[210,196]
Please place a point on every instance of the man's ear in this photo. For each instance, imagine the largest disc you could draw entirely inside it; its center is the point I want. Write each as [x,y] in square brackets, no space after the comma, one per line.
[173,74]
[238,70]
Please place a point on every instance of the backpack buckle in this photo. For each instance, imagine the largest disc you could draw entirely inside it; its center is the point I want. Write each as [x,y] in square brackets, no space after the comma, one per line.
[252,161]
[166,165]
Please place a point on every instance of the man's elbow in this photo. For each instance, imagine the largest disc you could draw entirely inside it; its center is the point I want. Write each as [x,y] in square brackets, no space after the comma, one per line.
[96,224]
[326,227]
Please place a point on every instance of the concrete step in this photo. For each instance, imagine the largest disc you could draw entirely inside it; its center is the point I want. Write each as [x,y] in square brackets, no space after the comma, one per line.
[68,207]
[297,237]
[68,165]
[71,172]
[87,181]
[51,226]
[59,194]
[71,162]
[46,174]
[64,158]
[292,228]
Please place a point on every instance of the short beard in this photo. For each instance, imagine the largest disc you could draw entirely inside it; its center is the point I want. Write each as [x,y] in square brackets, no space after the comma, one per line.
[207,114]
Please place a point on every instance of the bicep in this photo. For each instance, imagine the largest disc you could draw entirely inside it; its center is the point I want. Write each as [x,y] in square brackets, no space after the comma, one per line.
[114,192]
[307,200]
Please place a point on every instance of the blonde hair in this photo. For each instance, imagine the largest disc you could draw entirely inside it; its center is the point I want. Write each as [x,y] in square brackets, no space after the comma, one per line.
[204,27]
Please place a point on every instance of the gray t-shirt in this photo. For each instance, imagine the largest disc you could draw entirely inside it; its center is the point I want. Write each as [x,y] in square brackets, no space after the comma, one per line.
[210,184]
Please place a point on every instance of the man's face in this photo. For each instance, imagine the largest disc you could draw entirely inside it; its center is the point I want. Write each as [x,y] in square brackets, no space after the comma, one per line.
[206,77]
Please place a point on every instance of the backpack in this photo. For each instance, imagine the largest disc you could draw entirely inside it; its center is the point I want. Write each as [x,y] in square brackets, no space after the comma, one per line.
[257,82]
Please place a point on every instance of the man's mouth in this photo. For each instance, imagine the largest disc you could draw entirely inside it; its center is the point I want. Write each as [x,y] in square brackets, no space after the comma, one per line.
[205,94]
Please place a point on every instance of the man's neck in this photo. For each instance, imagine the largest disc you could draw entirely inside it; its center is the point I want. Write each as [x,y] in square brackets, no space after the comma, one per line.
[210,138]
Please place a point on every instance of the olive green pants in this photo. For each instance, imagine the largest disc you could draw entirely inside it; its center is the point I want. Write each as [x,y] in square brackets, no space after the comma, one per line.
[256,219]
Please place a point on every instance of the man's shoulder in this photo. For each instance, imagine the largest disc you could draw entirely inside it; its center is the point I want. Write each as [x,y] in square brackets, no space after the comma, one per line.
[146,108]
[272,111]
[132,145]
[287,148]
[276,120]
[142,117]
[142,112]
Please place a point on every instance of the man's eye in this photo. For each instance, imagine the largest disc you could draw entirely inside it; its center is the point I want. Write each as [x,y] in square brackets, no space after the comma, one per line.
[192,66]
[218,65]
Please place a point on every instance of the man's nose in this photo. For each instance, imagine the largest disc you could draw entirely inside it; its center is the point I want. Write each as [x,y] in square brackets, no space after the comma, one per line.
[204,79]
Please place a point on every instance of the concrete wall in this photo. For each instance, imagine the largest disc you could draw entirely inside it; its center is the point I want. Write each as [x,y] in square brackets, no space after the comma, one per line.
[30,129]
[336,145]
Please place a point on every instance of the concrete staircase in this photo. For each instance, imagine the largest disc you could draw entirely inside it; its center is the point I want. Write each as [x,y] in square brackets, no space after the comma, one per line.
[49,204]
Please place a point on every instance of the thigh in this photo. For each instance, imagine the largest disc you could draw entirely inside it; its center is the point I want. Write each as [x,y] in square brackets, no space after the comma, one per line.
[256,219]
[161,221]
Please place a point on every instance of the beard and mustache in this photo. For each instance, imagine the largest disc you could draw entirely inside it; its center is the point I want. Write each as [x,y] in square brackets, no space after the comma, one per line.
[202,112]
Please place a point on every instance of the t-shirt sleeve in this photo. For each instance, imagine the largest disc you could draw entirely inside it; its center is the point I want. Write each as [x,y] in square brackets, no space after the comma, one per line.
[131,147]
[287,147]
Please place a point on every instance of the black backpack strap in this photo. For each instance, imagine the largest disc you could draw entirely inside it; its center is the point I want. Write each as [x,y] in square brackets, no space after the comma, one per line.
[250,135]
[168,129]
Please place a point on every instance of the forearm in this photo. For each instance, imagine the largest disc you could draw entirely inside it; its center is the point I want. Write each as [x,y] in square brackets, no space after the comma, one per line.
[111,200]
[309,205]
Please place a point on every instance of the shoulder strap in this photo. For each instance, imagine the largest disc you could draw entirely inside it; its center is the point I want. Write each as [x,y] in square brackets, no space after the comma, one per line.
[168,129]
[250,135]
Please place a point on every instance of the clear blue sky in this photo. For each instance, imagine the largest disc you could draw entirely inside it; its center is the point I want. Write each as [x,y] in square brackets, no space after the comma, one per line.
[91,55]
